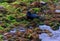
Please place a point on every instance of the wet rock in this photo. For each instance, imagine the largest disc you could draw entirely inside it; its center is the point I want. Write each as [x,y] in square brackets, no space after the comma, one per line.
[43,3]
[13,31]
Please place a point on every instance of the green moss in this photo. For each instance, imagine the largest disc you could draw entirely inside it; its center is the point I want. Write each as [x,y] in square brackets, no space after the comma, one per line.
[36,9]
[46,0]
[1,37]
[1,28]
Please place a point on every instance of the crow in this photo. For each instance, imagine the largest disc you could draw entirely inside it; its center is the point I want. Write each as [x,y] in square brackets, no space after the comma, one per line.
[32,16]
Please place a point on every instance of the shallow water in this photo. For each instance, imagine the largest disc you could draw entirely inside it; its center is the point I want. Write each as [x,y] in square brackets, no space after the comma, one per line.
[45,37]
[45,27]
[58,11]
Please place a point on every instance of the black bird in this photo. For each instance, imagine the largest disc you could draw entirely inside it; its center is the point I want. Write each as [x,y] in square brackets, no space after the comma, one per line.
[31,16]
